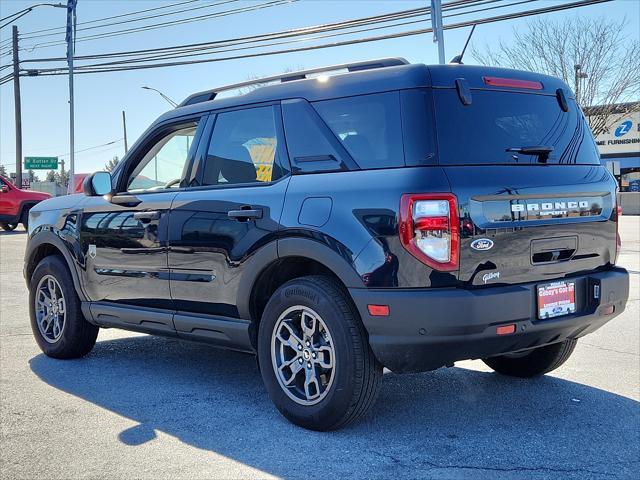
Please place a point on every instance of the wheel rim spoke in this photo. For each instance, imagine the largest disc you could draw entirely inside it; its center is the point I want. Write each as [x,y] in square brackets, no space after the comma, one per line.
[325,357]
[311,384]
[302,342]
[309,324]
[50,309]
[293,340]
[294,367]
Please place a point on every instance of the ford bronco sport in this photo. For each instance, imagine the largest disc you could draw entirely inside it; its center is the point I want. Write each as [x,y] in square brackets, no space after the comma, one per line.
[396,215]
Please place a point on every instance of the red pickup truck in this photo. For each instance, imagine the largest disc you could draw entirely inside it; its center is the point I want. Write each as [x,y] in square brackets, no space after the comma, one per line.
[15,204]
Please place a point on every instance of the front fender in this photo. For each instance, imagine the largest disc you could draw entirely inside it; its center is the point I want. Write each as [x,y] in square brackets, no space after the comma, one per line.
[61,240]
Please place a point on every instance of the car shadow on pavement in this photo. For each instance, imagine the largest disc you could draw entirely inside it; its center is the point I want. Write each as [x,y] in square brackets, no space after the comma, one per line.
[458,421]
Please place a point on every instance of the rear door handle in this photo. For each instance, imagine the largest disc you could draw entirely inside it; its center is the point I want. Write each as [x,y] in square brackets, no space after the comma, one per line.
[243,215]
[146,217]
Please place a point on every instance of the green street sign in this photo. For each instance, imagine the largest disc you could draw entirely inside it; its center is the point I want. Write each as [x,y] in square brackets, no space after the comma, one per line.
[41,163]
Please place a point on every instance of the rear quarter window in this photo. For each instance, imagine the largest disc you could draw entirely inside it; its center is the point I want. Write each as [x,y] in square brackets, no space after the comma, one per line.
[368,126]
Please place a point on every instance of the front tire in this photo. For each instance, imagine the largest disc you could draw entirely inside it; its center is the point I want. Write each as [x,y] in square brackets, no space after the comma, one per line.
[57,322]
[314,355]
[25,218]
[536,362]
[8,226]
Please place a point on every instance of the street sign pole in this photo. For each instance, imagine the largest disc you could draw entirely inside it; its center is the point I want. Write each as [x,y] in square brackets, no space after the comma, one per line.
[70,37]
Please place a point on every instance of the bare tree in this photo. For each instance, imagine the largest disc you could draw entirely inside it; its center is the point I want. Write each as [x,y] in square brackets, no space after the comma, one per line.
[604,53]
[255,86]
[111,164]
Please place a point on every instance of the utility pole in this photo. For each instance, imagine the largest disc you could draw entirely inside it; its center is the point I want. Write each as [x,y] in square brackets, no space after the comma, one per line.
[438,31]
[124,127]
[17,107]
[70,37]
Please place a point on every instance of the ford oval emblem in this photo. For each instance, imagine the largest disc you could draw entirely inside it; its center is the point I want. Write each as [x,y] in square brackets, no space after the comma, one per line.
[482,244]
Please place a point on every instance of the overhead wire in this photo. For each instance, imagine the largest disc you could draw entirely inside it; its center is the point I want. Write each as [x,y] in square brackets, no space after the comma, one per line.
[280,34]
[27,36]
[128,31]
[86,22]
[101,68]
[97,69]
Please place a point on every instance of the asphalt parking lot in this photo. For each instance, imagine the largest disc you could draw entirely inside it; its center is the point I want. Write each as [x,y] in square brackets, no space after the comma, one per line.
[147,407]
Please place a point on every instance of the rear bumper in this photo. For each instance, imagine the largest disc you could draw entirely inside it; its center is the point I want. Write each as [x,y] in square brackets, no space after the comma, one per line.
[430,328]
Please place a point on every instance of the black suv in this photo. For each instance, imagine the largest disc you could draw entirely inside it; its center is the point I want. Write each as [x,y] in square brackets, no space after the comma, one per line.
[396,215]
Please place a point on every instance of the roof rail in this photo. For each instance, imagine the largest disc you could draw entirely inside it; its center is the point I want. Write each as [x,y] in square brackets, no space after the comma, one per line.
[290,76]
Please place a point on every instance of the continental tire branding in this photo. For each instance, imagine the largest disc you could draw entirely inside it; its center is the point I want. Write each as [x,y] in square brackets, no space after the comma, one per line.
[289,292]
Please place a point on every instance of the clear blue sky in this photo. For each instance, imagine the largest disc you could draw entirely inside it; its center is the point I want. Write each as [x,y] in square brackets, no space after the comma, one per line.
[100,98]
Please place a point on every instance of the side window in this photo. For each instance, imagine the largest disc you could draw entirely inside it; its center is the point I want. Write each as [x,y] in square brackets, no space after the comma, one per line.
[418,126]
[164,164]
[243,148]
[310,148]
[368,126]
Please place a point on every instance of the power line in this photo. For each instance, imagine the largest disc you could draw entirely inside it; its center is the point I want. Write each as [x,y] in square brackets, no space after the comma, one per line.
[284,33]
[247,39]
[115,16]
[112,142]
[97,69]
[100,68]
[131,20]
[128,31]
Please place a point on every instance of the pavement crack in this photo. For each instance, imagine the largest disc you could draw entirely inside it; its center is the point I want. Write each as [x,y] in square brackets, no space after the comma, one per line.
[434,466]
[609,349]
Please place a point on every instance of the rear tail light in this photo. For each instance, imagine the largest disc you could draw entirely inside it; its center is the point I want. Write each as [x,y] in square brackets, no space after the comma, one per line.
[430,230]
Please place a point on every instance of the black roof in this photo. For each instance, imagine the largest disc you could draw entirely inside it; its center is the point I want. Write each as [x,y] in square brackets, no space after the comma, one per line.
[403,76]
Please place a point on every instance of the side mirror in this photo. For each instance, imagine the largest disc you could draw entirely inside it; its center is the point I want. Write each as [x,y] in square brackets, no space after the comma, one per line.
[98,184]
[4,189]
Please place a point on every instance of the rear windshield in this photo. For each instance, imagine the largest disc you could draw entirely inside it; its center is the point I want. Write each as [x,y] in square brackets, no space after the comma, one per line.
[496,122]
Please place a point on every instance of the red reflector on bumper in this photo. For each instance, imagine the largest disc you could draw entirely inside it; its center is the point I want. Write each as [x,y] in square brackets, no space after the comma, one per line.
[506,329]
[378,310]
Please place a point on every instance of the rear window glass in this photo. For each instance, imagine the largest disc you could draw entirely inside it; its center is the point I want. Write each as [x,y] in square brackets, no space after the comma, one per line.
[368,126]
[497,121]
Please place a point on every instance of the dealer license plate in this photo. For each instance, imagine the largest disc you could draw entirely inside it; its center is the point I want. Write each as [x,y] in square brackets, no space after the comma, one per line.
[556,299]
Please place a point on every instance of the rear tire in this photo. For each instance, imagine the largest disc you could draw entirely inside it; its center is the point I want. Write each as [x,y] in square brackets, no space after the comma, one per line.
[337,356]
[537,362]
[57,322]
[8,226]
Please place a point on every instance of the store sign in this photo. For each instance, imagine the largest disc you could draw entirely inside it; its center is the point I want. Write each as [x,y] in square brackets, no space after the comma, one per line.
[623,135]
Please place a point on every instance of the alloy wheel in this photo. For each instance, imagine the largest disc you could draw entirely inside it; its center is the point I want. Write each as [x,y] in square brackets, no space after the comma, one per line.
[303,355]
[50,309]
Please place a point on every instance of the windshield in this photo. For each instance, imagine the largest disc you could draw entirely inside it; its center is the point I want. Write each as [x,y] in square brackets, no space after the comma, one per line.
[502,127]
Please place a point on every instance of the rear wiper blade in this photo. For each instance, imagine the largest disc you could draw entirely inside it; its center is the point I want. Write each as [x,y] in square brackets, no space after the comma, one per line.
[535,150]
[541,151]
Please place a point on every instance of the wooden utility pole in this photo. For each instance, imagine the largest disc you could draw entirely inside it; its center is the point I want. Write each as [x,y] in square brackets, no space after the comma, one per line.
[17,107]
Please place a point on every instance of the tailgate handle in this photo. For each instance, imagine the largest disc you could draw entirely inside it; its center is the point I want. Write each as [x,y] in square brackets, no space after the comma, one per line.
[552,250]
